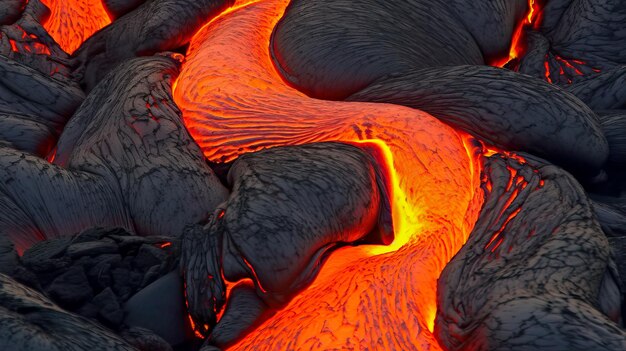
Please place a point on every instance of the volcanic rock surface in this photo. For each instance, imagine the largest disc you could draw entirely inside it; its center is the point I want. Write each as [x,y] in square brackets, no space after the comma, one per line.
[312,174]
[534,274]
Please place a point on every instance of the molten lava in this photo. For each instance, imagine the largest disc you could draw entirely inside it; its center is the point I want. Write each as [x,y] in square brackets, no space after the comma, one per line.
[380,297]
[73,21]
[517,44]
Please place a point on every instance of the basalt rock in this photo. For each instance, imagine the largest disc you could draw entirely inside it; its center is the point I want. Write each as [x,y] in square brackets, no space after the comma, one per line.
[289,207]
[130,133]
[602,91]
[35,104]
[122,150]
[93,273]
[576,39]
[30,321]
[27,42]
[38,94]
[590,31]
[536,272]
[155,26]
[613,124]
[330,49]
[118,8]
[611,218]
[506,109]
[490,22]
[26,132]
[145,340]
[160,308]
[11,10]
[244,310]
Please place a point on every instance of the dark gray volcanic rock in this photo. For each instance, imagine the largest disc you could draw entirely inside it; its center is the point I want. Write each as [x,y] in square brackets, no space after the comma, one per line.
[10,10]
[31,322]
[109,308]
[611,217]
[34,107]
[532,63]
[160,308]
[38,94]
[71,288]
[93,282]
[27,42]
[504,108]
[27,132]
[392,52]
[145,340]
[244,310]
[130,133]
[490,22]
[613,123]
[618,246]
[330,49]
[130,163]
[155,26]
[289,207]
[602,91]
[536,272]
[577,39]
[589,30]
[118,8]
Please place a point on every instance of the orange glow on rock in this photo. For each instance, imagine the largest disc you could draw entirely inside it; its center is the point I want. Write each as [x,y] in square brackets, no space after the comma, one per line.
[28,43]
[73,21]
[380,297]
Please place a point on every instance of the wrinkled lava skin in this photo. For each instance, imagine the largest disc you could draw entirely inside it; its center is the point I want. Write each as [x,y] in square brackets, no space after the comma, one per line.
[247,107]
[247,93]
[228,100]
[71,23]
[536,272]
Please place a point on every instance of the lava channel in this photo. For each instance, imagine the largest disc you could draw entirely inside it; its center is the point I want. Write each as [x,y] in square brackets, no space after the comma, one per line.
[518,41]
[379,297]
[72,22]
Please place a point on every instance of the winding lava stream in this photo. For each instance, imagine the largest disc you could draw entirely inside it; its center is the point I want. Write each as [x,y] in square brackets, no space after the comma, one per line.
[365,297]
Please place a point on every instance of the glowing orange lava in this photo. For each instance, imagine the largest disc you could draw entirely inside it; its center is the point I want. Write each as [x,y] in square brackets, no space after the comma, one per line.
[73,21]
[517,46]
[379,297]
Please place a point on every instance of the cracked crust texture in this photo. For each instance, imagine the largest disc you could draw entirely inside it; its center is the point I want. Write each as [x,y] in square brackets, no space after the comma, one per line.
[125,159]
[536,272]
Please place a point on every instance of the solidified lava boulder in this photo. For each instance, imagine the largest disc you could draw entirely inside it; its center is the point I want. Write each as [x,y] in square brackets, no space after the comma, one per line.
[153,27]
[288,209]
[71,288]
[504,108]
[11,10]
[533,275]
[30,321]
[158,188]
[95,272]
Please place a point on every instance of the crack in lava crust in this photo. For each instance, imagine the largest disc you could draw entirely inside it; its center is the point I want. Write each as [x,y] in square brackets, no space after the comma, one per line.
[234,102]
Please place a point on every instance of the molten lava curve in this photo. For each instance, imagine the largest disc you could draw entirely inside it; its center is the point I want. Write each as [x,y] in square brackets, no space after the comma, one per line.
[234,102]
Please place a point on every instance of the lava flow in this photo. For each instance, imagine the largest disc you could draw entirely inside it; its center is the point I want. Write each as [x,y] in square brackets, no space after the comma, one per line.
[381,297]
[517,43]
[72,22]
